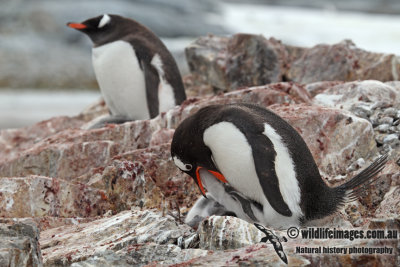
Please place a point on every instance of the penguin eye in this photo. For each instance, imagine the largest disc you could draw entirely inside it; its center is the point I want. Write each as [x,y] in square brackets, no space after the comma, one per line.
[188,167]
[184,167]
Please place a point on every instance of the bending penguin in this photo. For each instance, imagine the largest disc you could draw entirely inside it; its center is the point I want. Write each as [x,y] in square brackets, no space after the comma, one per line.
[255,165]
[137,75]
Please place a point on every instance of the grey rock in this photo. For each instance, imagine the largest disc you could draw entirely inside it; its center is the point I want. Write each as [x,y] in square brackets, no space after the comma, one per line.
[157,254]
[391,112]
[66,245]
[391,138]
[383,128]
[226,232]
[19,244]
[361,110]
[243,60]
[356,165]
[106,258]
[386,120]
[343,62]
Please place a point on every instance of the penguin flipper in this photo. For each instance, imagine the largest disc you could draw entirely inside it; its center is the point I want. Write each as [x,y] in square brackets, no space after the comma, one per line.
[152,81]
[264,158]
[151,76]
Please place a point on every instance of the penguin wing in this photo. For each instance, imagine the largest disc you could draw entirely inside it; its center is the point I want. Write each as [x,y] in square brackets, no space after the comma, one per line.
[226,138]
[152,81]
[264,160]
[144,55]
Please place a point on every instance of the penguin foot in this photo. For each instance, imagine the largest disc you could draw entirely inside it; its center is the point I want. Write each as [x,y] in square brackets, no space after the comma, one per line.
[275,241]
[102,121]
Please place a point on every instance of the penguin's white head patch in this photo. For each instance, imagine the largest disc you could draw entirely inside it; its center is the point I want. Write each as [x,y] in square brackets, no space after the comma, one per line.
[104,21]
[181,165]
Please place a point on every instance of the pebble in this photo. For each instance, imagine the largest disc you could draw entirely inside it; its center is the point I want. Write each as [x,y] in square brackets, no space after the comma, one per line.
[356,165]
[383,128]
[386,120]
[391,138]
[380,104]
[362,111]
[391,112]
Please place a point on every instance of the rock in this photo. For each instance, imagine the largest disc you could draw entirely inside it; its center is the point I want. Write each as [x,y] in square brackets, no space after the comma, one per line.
[19,244]
[106,258]
[49,197]
[243,60]
[390,112]
[390,205]
[228,63]
[66,245]
[225,232]
[14,141]
[375,101]
[386,120]
[334,137]
[318,87]
[154,254]
[146,178]
[383,128]
[113,196]
[73,152]
[343,62]
[391,138]
[352,94]
[356,165]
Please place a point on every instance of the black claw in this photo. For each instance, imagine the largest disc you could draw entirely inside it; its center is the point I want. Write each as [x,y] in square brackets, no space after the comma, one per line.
[271,237]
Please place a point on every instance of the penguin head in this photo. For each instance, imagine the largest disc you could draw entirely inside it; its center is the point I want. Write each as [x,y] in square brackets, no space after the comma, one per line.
[189,152]
[184,144]
[102,29]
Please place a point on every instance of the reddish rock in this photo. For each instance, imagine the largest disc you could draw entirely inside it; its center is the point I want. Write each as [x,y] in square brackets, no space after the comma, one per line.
[37,196]
[390,205]
[243,60]
[353,94]
[343,62]
[335,137]
[74,243]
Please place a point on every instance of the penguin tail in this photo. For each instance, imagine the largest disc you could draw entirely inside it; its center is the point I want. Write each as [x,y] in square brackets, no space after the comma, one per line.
[356,186]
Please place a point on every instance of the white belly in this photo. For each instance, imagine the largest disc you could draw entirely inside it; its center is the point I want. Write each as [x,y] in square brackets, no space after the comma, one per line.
[121,79]
[234,158]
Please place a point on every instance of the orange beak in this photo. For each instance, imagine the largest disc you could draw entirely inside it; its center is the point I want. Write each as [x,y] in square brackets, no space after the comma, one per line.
[217,175]
[77,26]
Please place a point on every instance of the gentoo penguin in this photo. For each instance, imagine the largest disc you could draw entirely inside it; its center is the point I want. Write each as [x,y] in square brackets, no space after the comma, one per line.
[254,164]
[137,75]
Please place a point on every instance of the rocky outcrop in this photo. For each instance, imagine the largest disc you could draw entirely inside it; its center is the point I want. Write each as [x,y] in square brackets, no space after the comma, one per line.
[112,196]
[19,244]
[214,60]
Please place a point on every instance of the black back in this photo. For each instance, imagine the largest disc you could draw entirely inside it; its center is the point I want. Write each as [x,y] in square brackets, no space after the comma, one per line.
[249,119]
[146,45]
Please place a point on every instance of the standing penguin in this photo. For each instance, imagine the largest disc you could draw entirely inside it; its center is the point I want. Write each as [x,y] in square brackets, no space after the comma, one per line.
[137,75]
[254,164]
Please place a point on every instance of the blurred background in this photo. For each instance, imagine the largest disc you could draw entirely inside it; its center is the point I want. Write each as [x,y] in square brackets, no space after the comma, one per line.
[46,69]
